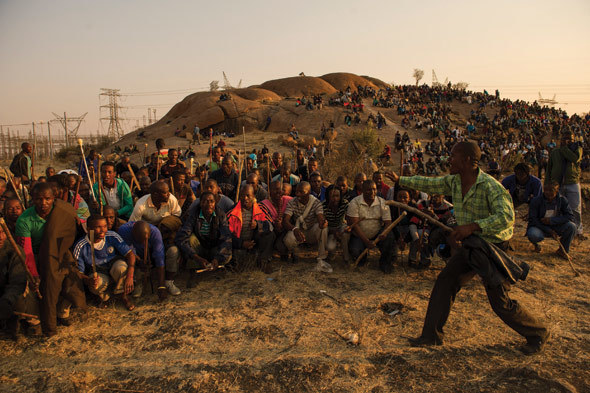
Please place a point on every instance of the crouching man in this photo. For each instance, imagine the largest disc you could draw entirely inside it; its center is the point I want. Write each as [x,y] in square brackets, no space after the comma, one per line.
[204,238]
[304,222]
[251,231]
[113,259]
[372,215]
[550,215]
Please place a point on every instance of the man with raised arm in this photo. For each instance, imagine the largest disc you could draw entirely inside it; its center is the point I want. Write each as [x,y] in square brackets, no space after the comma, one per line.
[485,218]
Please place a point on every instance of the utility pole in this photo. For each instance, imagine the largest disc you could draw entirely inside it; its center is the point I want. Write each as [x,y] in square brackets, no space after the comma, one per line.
[64,122]
[50,141]
[34,142]
[4,152]
[155,119]
[149,115]
[115,130]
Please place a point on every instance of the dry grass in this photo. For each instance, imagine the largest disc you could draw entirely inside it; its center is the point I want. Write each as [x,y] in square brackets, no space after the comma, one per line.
[252,332]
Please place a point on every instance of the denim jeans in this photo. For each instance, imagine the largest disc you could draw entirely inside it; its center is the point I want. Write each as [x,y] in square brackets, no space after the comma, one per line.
[566,232]
[572,193]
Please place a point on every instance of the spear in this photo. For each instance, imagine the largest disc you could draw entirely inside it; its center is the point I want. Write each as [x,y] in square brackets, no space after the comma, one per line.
[239,181]
[18,251]
[144,153]
[383,234]
[11,180]
[569,259]
[100,186]
[133,175]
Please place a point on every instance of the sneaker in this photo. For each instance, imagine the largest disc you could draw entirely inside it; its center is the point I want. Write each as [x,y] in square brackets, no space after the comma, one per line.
[323,266]
[172,289]
[137,290]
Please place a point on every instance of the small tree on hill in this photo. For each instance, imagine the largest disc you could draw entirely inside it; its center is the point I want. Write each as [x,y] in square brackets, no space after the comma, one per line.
[214,86]
[418,75]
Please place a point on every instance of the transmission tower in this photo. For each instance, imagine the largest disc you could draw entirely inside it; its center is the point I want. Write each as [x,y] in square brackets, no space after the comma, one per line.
[69,133]
[547,101]
[115,130]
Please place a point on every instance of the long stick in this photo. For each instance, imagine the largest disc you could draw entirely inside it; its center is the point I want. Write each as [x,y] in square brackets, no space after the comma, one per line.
[208,270]
[99,186]
[86,167]
[91,238]
[144,153]
[133,176]
[239,179]
[384,233]
[14,186]
[268,173]
[401,161]
[33,158]
[569,259]
[18,251]
[420,214]
[245,154]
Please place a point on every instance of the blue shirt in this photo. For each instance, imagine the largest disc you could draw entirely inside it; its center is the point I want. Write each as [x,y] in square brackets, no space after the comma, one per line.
[155,243]
[111,246]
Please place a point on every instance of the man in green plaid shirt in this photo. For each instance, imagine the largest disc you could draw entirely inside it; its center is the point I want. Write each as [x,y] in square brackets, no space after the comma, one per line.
[482,207]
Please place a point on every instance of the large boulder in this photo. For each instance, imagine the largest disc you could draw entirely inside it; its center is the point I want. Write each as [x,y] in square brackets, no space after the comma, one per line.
[257,94]
[342,80]
[298,86]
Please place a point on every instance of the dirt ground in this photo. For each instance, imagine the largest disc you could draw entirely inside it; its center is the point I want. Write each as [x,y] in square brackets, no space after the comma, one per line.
[251,332]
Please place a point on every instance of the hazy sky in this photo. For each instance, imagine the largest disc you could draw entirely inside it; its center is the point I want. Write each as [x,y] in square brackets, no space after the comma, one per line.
[56,55]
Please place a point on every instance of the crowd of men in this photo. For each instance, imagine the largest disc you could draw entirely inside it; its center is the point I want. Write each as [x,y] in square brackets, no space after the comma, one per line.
[110,230]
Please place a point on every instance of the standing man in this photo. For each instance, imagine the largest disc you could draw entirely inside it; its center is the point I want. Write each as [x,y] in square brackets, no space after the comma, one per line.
[564,168]
[21,163]
[484,215]
[197,134]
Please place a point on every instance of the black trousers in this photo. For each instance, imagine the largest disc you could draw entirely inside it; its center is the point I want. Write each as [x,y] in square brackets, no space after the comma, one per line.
[448,283]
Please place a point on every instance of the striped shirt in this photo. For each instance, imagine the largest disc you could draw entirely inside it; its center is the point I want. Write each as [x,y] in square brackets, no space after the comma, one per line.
[206,226]
[335,219]
[295,209]
[487,202]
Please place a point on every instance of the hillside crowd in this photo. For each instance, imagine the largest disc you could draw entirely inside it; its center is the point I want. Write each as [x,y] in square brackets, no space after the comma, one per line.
[118,230]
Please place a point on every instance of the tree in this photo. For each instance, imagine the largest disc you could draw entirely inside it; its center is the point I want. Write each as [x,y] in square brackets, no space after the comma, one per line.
[214,86]
[418,75]
[461,85]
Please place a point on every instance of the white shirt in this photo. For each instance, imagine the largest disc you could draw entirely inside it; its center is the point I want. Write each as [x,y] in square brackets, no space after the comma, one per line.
[112,198]
[373,215]
[146,211]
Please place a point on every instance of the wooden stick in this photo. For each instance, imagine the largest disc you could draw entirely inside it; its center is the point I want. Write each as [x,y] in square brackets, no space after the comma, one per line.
[20,254]
[158,166]
[239,179]
[384,233]
[208,270]
[569,259]
[420,214]
[91,238]
[146,260]
[245,153]
[11,180]
[144,153]
[86,167]
[33,163]
[401,161]
[133,176]
[268,173]
[100,187]
[25,315]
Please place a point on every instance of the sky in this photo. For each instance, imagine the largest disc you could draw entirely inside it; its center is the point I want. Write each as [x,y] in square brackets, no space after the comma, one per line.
[57,55]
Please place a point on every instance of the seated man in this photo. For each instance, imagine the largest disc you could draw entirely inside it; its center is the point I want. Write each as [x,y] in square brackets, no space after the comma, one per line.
[11,211]
[317,189]
[138,234]
[305,223]
[550,215]
[335,208]
[113,222]
[251,231]
[522,186]
[115,192]
[161,209]
[274,208]
[221,201]
[113,259]
[304,171]
[204,238]
[171,165]
[226,177]
[182,191]
[373,216]
[62,191]
[359,178]
[259,192]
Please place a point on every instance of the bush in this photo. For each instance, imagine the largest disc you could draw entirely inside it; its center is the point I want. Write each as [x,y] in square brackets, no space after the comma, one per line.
[73,151]
[368,139]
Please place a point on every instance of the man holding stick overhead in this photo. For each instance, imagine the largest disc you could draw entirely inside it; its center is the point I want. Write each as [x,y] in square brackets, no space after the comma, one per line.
[484,213]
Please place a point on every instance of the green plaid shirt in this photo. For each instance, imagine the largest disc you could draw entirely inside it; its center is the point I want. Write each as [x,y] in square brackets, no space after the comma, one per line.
[487,202]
